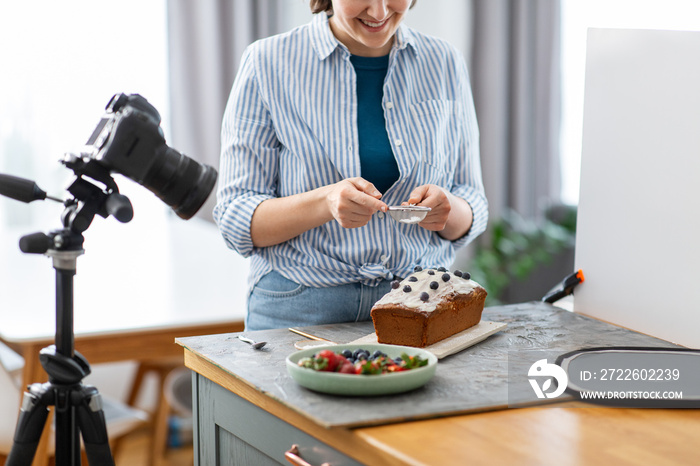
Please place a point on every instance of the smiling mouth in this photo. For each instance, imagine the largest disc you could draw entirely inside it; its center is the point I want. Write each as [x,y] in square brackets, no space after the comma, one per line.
[371,24]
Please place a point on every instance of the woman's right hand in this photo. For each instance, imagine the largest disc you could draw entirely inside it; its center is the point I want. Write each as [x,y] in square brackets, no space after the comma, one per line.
[353,201]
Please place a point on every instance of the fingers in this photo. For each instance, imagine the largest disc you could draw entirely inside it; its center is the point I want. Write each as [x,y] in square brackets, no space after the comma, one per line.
[364,186]
[437,199]
[364,195]
[352,202]
[365,189]
[418,195]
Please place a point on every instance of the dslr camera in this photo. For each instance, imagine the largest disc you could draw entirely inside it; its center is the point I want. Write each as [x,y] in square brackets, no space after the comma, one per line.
[129,140]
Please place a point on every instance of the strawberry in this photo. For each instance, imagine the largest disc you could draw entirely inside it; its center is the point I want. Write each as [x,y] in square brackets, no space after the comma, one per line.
[346,368]
[332,358]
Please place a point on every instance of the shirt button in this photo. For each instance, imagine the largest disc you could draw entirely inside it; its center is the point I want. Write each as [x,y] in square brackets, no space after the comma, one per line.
[380,215]
[384,257]
[389,105]
[398,142]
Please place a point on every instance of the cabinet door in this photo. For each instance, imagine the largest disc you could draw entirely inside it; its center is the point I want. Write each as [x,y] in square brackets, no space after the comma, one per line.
[232,431]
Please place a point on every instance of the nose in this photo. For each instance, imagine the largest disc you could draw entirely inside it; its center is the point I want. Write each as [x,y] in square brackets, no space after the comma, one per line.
[378,10]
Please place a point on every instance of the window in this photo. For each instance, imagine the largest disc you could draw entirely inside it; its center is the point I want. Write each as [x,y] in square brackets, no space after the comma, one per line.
[577,17]
[62,62]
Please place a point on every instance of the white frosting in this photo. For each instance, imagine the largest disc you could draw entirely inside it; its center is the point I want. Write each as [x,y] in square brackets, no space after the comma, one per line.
[455,284]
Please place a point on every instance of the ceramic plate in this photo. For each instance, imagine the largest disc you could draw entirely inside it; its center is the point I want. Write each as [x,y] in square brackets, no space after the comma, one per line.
[362,385]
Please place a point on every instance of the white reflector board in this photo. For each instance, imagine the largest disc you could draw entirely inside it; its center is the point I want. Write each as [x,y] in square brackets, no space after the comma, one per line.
[638,230]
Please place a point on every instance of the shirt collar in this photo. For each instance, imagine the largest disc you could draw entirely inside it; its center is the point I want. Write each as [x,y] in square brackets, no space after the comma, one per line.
[324,42]
[404,37]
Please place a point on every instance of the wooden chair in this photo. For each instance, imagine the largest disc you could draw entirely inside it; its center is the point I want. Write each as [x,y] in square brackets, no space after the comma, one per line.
[158,419]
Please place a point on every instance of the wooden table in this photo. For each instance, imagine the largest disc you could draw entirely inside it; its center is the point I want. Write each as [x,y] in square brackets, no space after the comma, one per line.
[569,433]
[139,344]
[137,288]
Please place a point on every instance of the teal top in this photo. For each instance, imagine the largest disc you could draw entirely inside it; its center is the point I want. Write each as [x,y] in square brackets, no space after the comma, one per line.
[377,162]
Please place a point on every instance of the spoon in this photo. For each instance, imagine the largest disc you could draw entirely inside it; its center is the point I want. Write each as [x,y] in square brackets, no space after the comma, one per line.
[255,344]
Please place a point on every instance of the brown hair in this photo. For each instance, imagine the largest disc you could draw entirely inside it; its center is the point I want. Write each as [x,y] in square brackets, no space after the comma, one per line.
[318,6]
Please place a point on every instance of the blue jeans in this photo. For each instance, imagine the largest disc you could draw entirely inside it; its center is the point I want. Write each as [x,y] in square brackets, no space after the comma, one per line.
[277,302]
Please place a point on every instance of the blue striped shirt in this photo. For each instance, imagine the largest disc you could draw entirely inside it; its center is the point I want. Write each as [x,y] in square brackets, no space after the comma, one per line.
[290,127]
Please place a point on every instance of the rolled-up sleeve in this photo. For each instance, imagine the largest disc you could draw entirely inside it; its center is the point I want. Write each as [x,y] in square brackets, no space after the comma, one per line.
[468,183]
[249,158]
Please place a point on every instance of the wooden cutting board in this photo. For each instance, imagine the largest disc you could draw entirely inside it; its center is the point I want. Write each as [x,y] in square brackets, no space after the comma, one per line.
[456,342]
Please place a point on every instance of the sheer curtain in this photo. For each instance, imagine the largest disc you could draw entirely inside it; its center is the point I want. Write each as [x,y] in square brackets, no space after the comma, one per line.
[206,39]
[515,72]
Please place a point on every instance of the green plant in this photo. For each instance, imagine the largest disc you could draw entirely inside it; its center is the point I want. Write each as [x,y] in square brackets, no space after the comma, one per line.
[516,247]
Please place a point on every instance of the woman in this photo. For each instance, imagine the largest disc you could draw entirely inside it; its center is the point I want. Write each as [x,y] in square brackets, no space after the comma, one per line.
[328,125]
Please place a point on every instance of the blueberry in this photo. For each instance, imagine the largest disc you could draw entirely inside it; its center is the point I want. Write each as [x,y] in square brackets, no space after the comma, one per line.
[424,296]
[395,284]
[407,289]
[434,285]
[412,279]
[431,272]
[442,269]
[417,268]
[458,273]
[347,354]
[356,354]
[466,275]
[445,277]
[377,354]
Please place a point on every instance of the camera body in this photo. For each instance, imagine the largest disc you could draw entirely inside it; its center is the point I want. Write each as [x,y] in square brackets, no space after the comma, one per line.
[127,137]
[129,140]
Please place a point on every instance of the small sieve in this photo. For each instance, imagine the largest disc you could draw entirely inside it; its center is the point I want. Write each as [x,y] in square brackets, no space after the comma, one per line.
[408,213]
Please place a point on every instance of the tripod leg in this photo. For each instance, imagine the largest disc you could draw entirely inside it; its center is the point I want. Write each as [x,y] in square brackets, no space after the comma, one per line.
[30,425]
[92,426]
[67,438]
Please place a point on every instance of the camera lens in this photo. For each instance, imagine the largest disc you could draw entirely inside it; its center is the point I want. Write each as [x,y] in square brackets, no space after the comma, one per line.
[179,181]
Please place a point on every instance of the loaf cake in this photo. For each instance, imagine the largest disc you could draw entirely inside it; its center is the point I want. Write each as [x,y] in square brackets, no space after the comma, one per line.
[428,306]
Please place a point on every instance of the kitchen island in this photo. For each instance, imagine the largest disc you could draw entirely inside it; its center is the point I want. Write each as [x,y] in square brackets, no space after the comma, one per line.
[478,409]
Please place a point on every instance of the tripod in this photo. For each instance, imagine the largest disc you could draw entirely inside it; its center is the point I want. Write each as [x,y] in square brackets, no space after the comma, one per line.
[78,407]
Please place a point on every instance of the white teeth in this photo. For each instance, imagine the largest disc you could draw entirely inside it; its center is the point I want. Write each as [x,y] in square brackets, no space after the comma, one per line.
[372,25]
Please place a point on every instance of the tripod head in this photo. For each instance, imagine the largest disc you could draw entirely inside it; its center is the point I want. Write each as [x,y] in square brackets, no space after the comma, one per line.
[88,199]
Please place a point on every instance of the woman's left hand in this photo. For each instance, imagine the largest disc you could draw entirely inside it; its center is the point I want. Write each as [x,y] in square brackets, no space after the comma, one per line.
[435,197]
[449,215]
